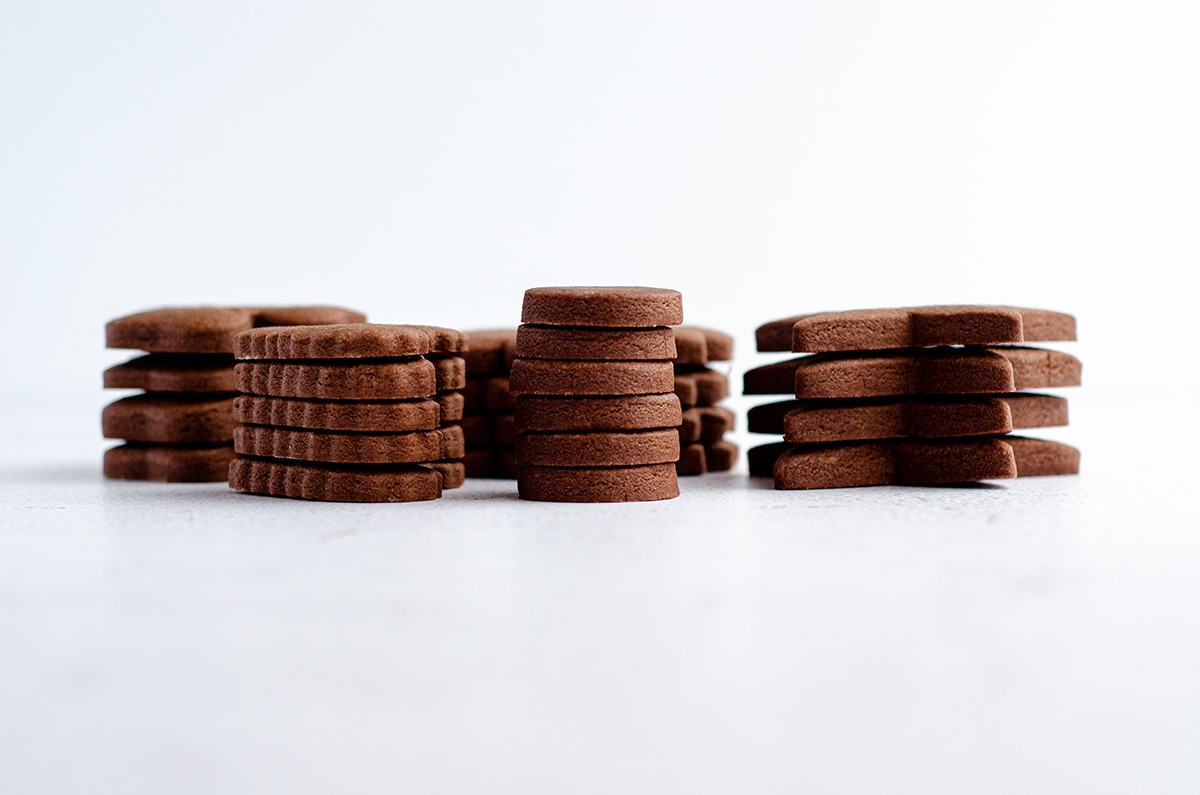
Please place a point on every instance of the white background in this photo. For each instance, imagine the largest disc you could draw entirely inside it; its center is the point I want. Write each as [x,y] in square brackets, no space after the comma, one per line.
[426,162]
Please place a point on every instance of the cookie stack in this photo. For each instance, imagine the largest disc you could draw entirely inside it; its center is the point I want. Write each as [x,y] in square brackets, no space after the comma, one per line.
[446,350]
[344,413]
[920,395]
[487,421]
[596,412]
[181,428]
[701,435]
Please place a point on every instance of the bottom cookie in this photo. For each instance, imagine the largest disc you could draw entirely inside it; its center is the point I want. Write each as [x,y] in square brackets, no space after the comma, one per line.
[907,461]
[334,482]
[167,463]
[454,473]
[1041,457]
[598,484]
[699,458]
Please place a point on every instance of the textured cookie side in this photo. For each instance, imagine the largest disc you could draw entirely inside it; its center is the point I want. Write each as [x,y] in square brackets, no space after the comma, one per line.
[333,483]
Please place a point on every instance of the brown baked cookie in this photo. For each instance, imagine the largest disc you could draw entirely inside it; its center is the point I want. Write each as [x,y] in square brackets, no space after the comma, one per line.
[453,473]
[715,422]
[917,371]
[595,344]
[211,329]
[450,372]
[499,395]
[603,307]
[389,379]
[1038,368]
[699,346]
[701,387]
[170,418]
[1031,410]
[166,372]
[491,351]
[692,460]
[341,341]
[633,412]
[491,463]
[598,484]
[169,463]
[1042,457]
[913,327]
[689,427]
[338,415]
[761,459]
[893,418]
[451,404]
[335,482]
[447,341]
[904,461]
[266,441]
[720,456]
[550,377]
[598,448]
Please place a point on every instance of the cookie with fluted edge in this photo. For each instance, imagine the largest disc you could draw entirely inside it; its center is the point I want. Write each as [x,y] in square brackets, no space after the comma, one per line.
[388,379]
[551,377]
[702,387]
[595,344]
[451,404]
[170,418]
[335,482]
[419,414]
[913,327]
[598,484]
[303,444]
[603,307]
[900,461]
[169,463]
[450,372]
[698,346]
[598,448]
[168,372]
[212,329]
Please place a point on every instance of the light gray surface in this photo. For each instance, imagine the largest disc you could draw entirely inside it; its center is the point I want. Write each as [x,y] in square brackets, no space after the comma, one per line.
[1035,636]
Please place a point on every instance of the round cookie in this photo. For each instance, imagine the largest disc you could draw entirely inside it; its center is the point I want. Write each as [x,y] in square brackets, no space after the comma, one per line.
[166,372]
[211,329]
[334,483]
[598,448]
[387,380]
[593,344]
[551,377]
[169,463]
[266,441]
[604,307]
[338,415]
[170,419]
[598,484]
[632,412]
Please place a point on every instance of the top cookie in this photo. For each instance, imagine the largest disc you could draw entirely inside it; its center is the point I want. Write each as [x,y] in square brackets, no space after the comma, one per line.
[490,351]
[699,346]
[211,329]
[341,341]
[913,327]
[603,307]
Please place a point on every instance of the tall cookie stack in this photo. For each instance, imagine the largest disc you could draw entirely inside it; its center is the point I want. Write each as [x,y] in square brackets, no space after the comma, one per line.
[912,396]
[488,417]
[596,411]
[703,447]
[181,428]
[344,413]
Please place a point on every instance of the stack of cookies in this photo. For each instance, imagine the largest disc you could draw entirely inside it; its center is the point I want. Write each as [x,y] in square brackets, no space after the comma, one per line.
[487,421]
[181,428]
[596,413]
[922,395]
[346,413]
[701,435]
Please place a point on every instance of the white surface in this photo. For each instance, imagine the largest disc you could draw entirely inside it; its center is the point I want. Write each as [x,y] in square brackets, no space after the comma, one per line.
[1035,636]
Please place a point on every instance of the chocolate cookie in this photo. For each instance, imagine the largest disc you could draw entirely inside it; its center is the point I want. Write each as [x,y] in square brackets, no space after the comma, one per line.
[169,463]
[338,415]
[341,341]
[761,459]
[454,473]
[603,307]
[445,340]
[701,387]
[499,395]
[364,380]
[846,464]
[598,448]
[692,460]
[211,329]
[170,419]
[1042,457]
[1038,368]
[553,413]
[451,405]
[689,427]
[918,371]
[699,346]
[491,351]
[549,377]
[720,456]
[450,372]
[266,441]
[913,327]
[165,372]
[835,420]
[335,482]
[598,484]
[593,344]
[715,422]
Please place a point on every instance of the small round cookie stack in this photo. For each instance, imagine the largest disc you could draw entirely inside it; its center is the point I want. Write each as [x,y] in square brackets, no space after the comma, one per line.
[181,428]
[344,413]
[703,447]
[487,421]
[596,412]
